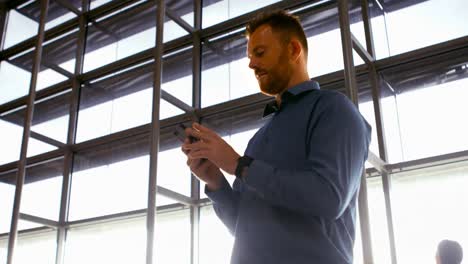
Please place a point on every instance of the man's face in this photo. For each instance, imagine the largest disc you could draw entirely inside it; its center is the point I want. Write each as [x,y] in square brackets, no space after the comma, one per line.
[269,58]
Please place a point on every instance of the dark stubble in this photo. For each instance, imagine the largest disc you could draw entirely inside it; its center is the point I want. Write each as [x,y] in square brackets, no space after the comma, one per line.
[278,76]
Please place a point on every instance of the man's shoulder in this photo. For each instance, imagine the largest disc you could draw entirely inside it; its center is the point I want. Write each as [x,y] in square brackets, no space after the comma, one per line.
[327,97]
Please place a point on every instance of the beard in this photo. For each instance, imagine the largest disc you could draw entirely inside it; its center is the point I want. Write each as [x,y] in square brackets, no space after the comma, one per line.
[275,80]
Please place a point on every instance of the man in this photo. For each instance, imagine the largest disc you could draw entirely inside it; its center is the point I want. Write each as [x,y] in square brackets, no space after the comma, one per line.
[449,252]
[294,198]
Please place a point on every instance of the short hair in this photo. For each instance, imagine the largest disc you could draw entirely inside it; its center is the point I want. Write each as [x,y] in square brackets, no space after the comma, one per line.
[450,252]
[282,22]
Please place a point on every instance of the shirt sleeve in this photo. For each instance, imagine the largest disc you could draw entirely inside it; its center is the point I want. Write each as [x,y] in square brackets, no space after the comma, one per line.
[225,203]
[338,140]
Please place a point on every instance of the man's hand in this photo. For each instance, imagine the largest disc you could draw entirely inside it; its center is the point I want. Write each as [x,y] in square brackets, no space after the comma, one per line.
[204,170]
[212,147]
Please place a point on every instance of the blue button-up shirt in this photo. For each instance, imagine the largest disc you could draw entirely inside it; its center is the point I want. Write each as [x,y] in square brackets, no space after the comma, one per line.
[297,202]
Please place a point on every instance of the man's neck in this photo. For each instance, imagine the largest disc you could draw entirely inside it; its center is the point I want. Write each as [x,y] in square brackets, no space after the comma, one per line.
[303,78]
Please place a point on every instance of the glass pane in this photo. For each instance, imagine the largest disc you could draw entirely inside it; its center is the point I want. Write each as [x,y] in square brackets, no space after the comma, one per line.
[324,42]
[113,242]
[50,119]
[124,33]
[15,76]
[124,100]
[391,124]
[103,173]
[172,234]
[226,74]
[36,248]
[3,248]
[378,221]
[215,12]
[97,3]
[7,197]
[42,190]
[407,27]
[212,229]
[379,29]
[428,208]
[101,177]
[172,30]
[173,173]
[21,26]
[125,241]
[115,103]
[11,125]
[58,59]
[366,108]
[425,98]
[182,9]
[57,13]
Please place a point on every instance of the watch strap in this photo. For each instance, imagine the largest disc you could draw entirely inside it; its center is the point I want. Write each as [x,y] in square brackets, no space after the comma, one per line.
[242,162]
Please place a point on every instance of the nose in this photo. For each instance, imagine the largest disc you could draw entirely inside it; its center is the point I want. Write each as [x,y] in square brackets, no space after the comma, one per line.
[253,64]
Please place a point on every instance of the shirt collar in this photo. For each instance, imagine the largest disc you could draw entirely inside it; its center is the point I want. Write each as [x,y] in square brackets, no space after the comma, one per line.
[292,92]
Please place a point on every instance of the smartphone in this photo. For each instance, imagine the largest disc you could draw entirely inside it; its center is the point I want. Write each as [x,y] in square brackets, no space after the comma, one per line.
[180,133]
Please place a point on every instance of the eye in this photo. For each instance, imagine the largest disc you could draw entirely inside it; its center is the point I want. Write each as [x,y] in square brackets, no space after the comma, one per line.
[259,53]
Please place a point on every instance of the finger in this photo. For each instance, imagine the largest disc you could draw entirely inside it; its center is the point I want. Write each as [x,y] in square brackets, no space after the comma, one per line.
[185,151]
[198,154]
[203,129]
[191,132]
[195,146]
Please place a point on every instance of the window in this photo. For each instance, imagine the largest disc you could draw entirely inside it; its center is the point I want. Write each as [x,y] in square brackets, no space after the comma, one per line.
[423,106]
[428,208]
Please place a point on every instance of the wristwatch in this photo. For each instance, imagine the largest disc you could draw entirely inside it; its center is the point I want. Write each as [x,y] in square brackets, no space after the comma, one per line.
[242,163]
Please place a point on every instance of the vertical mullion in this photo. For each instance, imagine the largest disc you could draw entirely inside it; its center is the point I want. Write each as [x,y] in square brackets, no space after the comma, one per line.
[351,89]
[375,86]
[71,136]
[196,103]
[26,132]
[349,71]
[368,28]
[3,24]
[155,131]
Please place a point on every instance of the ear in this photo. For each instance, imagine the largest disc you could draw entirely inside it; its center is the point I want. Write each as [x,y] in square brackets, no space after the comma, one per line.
[295,49]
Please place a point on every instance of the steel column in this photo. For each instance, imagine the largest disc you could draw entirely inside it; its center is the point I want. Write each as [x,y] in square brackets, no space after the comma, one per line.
[196,103]
[3,24]
[379,123]
[72,127]
[351,89]
[26,132]
[155,130]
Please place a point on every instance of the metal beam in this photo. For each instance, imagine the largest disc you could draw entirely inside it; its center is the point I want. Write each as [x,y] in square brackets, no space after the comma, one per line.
[351,89]
[26,132]
[378,163]
[367,27]
[39,220]
[123,216]
[70,7]
[175,196]
[176,101]
[368,59]
[346,43]
[71,136]
[196,103]
[428,162]
[3,24]
[155,131]
[40,137]
[179,21]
